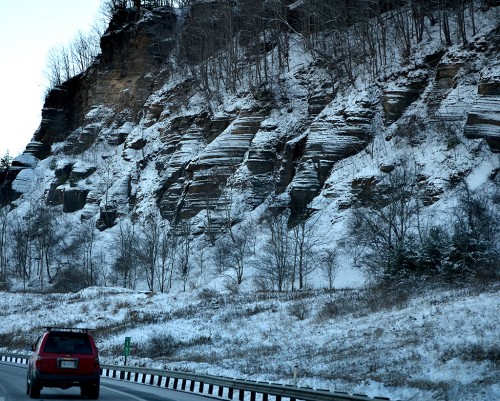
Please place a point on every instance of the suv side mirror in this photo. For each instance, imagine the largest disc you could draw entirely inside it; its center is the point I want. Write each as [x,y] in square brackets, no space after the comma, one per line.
[29,347]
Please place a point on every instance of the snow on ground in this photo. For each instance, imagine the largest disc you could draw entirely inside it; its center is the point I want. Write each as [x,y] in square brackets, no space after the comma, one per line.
[440,345]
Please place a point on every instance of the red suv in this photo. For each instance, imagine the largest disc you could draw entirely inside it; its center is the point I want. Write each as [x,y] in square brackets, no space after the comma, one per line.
[64,358]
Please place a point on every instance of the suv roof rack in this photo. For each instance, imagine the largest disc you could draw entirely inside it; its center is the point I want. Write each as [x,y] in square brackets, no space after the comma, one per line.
[77,329]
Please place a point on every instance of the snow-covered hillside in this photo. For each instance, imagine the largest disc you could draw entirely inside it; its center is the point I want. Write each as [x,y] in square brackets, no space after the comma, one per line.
[408,345]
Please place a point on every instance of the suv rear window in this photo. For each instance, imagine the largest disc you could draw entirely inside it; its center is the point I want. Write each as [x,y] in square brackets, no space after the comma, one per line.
[70,343]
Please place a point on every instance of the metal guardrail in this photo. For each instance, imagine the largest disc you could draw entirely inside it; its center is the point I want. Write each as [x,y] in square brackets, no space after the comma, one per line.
[14,358]
[223,387]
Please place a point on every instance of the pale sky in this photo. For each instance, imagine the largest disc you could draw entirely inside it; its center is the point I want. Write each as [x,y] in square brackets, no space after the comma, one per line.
[28,29]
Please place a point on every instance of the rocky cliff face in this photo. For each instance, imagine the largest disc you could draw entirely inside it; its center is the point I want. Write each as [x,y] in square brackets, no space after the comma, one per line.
[483,120]
[132,135]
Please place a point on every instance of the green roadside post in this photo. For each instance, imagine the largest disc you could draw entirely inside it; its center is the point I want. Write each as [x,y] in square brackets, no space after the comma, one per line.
[126,348]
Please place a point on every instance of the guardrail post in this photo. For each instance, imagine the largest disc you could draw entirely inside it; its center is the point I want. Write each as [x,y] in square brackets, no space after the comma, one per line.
[221,391]
[210,389]
[167,382]
[158,382]
[230,393]
[191,385]
[202,384]
[122,375]
[242,395]
[176,381]
[183,384]
[265,397]
[252,395]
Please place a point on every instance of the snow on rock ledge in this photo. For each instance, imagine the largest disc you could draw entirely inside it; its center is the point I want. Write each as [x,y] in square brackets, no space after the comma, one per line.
[25,161]
[23,182]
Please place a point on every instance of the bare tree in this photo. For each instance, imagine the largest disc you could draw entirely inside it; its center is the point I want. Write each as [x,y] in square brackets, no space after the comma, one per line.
[329,266]
[166,257]
[102,265]
[234,251]
[107,205]
[222,251]
[46,237]
[20,249]
[184,252]
[444,21]
[83,51]
[78,261]
[126,261]
[276,262]
[64,62]
[404,31]
[149,250]
[54,70]
[305,242]
[88,253]
[4,245]
[70,272]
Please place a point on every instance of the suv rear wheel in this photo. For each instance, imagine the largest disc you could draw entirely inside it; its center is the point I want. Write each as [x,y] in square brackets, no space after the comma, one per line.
[91,391]
[32,387]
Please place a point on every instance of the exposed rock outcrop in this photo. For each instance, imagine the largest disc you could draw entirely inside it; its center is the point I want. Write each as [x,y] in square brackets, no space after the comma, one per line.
[132,133]
[483,120]
[205,177]
[113,90]
[16,179]
[398,97]
[329,139]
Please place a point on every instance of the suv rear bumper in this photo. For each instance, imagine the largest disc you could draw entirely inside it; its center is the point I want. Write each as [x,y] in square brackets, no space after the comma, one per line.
[65,381]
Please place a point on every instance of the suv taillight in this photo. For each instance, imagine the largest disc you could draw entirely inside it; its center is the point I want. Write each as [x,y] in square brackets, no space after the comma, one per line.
[96,363]
[38,362]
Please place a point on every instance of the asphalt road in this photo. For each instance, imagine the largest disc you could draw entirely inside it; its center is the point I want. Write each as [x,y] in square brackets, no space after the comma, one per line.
[13,388]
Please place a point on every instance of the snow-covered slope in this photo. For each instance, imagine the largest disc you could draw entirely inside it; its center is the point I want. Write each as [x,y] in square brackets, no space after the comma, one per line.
[437,345]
